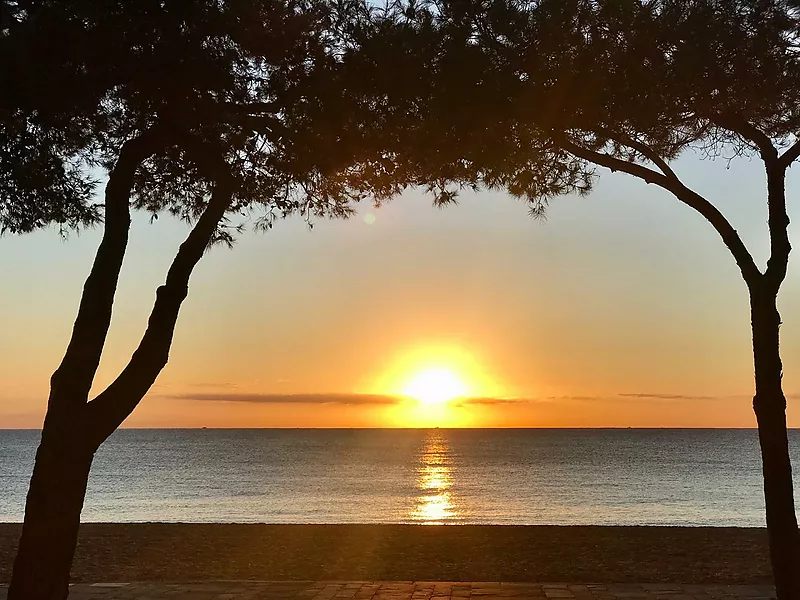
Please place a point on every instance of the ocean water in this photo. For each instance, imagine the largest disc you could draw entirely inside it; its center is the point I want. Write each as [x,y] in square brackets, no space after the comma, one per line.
[523,476]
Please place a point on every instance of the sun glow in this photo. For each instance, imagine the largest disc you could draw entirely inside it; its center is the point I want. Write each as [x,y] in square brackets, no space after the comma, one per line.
[434,383]
[435,386]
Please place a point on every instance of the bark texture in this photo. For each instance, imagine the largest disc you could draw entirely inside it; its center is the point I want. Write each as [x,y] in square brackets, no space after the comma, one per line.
[769,404]
[74,427]
[64,458]
[52,516]
[769,401]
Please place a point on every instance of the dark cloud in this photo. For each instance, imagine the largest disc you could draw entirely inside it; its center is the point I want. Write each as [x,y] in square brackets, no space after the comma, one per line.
[345,399]
[351,399]
[668,396]
[491,401]
[386,399]
[589,398]
[224,385]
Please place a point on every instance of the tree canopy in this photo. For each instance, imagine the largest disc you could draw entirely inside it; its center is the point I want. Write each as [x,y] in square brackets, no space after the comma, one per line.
[533,96]
[260,84]
[218,108]
[212,111]
[515,85]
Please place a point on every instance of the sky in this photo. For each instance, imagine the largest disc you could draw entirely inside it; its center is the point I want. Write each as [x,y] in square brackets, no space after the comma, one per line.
[621,309]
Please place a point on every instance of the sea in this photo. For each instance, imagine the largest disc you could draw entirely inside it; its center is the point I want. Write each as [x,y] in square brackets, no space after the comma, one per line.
[677,477]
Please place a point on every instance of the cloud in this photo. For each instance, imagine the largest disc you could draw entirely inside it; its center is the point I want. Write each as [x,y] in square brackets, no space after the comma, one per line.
[224,385]
[669,396]
[345,399]
[587,398]
[636,395]
[230,395]
[491,401]
[341,399]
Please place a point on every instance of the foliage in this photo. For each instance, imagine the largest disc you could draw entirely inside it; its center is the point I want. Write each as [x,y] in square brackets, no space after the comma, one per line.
[42,175]
[512,85]
[260,84]
[532,95]
[40,181]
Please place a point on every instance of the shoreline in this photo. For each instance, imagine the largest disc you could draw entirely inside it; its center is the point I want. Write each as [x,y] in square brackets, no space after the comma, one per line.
[174,552]
[444,427]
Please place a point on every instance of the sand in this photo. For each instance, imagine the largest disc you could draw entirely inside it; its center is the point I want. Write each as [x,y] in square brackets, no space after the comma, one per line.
[183,552]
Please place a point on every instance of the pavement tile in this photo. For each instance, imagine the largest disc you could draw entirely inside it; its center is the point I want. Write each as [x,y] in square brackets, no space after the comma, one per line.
[558,593]
[408,590]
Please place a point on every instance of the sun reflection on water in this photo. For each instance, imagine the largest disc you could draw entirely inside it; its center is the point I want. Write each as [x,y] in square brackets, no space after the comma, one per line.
[435,502]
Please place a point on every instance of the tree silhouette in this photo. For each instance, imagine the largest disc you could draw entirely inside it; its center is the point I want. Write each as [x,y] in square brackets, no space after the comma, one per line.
[532,96]
[207,110]
[41,176]
[210,109]
[41,182]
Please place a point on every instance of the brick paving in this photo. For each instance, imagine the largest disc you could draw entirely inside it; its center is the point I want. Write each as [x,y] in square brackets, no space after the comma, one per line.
[408,590]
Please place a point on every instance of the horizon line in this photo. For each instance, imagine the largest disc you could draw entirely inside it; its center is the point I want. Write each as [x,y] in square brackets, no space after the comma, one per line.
[502,428]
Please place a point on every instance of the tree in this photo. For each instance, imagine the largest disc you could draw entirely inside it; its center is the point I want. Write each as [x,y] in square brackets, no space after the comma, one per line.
[207,110]
[532,96]
[42,141]
[41,183]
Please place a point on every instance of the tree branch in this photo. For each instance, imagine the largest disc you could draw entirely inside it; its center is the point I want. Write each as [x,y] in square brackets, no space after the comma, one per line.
[776,166]
[791,155]
[752,134]
[108,410]
[71,382]
[252,108]
[778,222]
[261,107]
[647,152]
[689,197]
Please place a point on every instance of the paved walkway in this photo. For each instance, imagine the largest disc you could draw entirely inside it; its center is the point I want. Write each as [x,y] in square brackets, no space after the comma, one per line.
[407,590]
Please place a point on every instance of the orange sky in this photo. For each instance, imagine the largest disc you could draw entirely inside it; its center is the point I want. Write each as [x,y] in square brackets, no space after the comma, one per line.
[622,309]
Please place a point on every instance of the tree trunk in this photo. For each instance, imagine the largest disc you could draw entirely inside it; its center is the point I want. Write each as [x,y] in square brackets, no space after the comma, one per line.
[73,430]
[769,405]
[52,512]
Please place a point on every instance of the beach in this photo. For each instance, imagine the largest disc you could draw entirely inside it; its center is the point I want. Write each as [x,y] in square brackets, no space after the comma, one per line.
[166,552]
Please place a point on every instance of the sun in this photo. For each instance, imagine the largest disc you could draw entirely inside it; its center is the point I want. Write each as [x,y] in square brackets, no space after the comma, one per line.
[435,386]
[433,383]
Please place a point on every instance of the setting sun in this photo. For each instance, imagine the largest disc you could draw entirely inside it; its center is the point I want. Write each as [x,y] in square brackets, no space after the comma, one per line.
[435,386]
[433,383]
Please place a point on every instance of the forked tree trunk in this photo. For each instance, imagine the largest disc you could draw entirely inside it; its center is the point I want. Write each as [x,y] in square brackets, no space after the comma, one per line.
[769,404]
[52,513]
[58,484]
[74,429]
